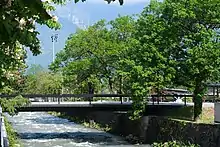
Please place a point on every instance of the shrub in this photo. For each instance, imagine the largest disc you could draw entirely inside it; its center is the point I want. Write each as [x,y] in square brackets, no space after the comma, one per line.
[174,144]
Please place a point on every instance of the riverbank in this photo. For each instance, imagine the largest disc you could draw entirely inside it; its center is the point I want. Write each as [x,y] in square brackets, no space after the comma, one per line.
[130,138]
[92,124]
[178,130]
[12,135]
[152,129]
[39,129]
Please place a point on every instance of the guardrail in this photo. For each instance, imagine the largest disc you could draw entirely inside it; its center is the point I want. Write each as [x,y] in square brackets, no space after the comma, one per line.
[89,97]
[3,133]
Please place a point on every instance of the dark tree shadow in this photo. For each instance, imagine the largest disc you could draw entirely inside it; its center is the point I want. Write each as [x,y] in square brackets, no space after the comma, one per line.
[78,137]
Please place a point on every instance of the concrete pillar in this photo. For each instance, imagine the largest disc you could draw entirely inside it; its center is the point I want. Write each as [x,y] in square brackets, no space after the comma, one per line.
[217,112]
[143,128]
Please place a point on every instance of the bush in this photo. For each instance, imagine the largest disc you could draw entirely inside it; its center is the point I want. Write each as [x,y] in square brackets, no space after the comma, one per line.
[11,134]
[10,105]
[174,144]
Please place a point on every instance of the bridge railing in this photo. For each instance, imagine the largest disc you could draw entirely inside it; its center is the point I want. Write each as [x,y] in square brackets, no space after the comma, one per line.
[101,97]
[3,134]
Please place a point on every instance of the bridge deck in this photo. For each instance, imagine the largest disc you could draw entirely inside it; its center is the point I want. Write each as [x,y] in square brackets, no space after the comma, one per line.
[94,106]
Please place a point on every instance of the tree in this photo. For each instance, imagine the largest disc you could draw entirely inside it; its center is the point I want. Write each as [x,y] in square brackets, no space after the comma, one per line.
[93,55]
[185,40]
[42,83]
[17,25]
[199,43]
[17,31]
[82,55]
[12,67]
[34,69]
[146,64]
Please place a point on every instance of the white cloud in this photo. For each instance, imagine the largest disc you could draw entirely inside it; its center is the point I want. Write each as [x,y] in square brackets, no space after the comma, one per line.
[74,15]
[80,17]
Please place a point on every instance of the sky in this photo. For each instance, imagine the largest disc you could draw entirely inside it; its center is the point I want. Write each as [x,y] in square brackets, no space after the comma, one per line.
[87,13]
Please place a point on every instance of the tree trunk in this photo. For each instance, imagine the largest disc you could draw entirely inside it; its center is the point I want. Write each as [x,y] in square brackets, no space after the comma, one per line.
[198,99]
[90,90]
[120,88]
[110,84]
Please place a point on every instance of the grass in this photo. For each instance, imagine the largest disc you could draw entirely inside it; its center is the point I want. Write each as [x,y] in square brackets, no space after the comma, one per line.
[12,135]
[207,116]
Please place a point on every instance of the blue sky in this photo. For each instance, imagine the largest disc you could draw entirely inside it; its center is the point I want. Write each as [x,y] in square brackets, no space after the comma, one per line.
[88,12]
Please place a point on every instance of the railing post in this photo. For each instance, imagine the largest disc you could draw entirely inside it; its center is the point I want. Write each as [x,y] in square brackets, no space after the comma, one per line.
[1,135]
[157,99]
[90,101]
[59,100]
[185,100]
[121,99]
[153,99]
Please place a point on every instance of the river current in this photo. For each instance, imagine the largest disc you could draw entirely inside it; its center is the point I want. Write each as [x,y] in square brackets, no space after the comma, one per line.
[39,129]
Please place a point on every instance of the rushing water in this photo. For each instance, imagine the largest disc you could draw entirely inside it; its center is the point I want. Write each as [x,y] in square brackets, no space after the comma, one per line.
[39,129]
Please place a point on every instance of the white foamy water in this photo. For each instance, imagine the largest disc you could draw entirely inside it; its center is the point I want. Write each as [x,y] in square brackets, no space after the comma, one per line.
[39,129]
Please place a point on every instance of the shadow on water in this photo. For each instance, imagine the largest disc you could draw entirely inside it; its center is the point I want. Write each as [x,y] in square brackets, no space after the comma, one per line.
[92,137]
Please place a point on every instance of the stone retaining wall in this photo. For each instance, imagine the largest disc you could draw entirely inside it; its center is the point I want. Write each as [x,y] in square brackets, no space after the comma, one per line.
[162,129]
[152,129]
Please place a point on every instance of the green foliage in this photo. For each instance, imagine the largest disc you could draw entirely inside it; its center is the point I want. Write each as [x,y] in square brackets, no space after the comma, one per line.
[12,63]
[86,123]
[198,42]
[179,45]
[17,21]
[11,134]
[93,55]
[7,90]
[10,105]
[171,43]
[34,69]
[43,83]
[174,144]
[17,31]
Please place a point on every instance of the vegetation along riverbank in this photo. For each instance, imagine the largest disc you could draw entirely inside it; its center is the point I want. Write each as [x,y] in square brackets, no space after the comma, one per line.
[12,135]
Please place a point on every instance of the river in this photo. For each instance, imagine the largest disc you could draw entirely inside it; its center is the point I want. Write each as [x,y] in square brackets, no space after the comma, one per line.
[39,129]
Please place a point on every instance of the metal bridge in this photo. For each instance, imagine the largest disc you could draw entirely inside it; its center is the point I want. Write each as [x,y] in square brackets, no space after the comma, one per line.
[92,102]
[98,102]
[95,102]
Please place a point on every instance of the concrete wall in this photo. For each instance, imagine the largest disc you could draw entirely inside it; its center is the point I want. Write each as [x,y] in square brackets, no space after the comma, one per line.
[217,112]
[179,112]
[151,129]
